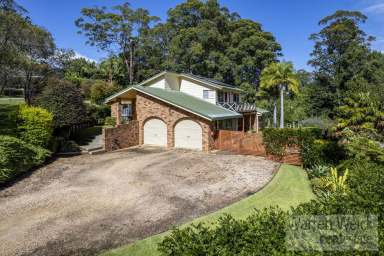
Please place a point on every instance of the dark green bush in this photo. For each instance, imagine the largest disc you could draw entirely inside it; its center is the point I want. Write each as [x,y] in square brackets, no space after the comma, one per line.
[262,233]
[96,114]
[35,125]
[65,101]
[17,156]
[318,171]
[314,149]
[277,140]
[110,121]
[8,119]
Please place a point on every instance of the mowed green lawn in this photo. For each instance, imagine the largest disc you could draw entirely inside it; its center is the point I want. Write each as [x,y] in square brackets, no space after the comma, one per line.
[11,101]
[8,114]
[288,188]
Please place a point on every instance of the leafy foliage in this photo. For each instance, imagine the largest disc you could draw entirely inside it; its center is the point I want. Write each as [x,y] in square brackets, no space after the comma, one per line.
[276,79]
[343,60]
[318,171]
[313,149]
[334,182]
[8,117]
[97,113]
[17,156]
[361,147]
[360,114]
[116,28]
[231,236]
[110,121]
[35,125]
[26,48]
[100,90]
[65,101]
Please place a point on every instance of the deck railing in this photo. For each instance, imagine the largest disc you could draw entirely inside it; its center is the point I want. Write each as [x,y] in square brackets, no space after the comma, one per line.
[238,107]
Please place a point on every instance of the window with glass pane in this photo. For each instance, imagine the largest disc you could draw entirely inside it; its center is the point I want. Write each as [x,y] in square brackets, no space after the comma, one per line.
[126,112]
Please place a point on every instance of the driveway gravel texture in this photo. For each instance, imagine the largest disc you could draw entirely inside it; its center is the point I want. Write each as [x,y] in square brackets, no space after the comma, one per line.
[84,204]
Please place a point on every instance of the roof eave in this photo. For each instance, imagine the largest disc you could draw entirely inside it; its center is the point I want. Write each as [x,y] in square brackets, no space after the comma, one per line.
[220,87]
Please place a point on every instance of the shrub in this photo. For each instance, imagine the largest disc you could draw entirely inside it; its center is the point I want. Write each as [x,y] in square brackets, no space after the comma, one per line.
[17,156]
[8,119]
[361,147]
[262,233]
[276,142]
[318,171]
[97,113]
[365,196]
[35,125]
[100,90]
[334,182]
[65,101]
[110,121]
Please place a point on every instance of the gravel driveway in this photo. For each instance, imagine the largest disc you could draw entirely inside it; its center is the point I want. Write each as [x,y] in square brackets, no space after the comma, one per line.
[83,204]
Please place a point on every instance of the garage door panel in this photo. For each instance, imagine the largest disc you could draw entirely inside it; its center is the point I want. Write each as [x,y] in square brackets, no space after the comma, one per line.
[155,132]
[188,134]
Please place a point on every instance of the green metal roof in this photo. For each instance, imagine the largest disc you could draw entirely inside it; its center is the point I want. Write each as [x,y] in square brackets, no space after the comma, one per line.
[189,103]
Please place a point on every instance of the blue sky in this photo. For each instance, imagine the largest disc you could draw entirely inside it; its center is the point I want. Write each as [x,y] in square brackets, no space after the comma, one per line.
[291,21]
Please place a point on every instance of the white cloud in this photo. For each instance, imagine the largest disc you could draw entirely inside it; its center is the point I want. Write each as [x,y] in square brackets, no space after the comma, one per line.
[376,8]
[79,55]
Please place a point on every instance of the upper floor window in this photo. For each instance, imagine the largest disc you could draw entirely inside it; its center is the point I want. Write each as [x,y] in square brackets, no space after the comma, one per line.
[208,94]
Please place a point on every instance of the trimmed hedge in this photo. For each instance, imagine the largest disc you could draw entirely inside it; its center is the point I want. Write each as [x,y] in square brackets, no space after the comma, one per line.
[277,140]
[262,233]
[35,125]
[314,150]
[17,156]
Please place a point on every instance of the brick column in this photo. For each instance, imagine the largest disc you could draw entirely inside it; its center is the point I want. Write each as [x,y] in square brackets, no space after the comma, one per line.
[116,112]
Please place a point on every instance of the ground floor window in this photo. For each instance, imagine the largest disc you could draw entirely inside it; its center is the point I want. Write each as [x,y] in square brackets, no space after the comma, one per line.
[126,112]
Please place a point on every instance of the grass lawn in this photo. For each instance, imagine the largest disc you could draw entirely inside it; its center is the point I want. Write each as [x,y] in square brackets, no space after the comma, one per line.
[11,101]
[288,188]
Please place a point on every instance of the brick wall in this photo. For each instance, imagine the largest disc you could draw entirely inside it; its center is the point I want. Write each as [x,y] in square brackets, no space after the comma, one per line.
[240,142]
[252,144]
[148,107]
[121,136]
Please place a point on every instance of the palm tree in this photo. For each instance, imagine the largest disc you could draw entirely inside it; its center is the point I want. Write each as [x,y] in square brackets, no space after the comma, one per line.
[279,77]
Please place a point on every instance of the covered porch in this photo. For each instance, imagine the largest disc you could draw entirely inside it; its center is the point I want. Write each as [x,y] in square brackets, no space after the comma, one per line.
[250,120]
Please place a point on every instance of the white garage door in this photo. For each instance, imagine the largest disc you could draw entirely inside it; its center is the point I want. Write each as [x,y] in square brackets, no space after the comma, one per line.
[155,132]
[188,134]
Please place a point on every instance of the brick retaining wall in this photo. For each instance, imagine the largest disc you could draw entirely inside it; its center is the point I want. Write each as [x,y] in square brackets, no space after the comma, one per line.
[252,144]
[121,136]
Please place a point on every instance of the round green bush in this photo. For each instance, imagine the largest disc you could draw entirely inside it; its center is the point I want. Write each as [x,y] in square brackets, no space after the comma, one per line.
[17,156]
[35,125]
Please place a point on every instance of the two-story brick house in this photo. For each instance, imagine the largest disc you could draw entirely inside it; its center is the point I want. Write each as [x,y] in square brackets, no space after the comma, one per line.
[179,110]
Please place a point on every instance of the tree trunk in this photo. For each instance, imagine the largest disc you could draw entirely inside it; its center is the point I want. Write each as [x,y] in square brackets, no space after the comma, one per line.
[131,63]
[281,107]
[5,82]
[110,71]
[27,88]
[274,114]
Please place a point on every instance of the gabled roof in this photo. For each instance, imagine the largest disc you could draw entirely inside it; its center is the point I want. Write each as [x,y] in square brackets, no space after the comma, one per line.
[187,102]
[207,81]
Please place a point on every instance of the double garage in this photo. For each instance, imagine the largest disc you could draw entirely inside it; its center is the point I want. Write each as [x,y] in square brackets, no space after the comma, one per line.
[187,134]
